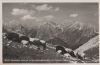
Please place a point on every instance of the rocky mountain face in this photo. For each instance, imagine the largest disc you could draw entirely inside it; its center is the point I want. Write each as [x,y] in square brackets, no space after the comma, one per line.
[92,43]
[48,31]
[73,34]
[69,34]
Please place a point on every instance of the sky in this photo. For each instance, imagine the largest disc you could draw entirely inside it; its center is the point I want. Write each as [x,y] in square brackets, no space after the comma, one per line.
[32,13]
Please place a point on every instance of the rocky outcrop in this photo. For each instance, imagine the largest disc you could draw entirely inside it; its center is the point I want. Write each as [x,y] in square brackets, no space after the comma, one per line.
[92,43]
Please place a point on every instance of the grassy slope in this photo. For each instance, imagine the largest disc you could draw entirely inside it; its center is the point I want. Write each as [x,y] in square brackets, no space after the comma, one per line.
[31,55]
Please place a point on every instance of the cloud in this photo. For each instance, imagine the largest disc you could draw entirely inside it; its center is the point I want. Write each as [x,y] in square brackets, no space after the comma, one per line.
[44,18]
[57,9]
[73,15]
[45,7]
[37,19]
[28,17]
[17,11]
[13,23]
[49,17]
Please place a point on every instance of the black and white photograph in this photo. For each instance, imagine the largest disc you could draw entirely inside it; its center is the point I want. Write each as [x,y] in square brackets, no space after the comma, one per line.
[50,32]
